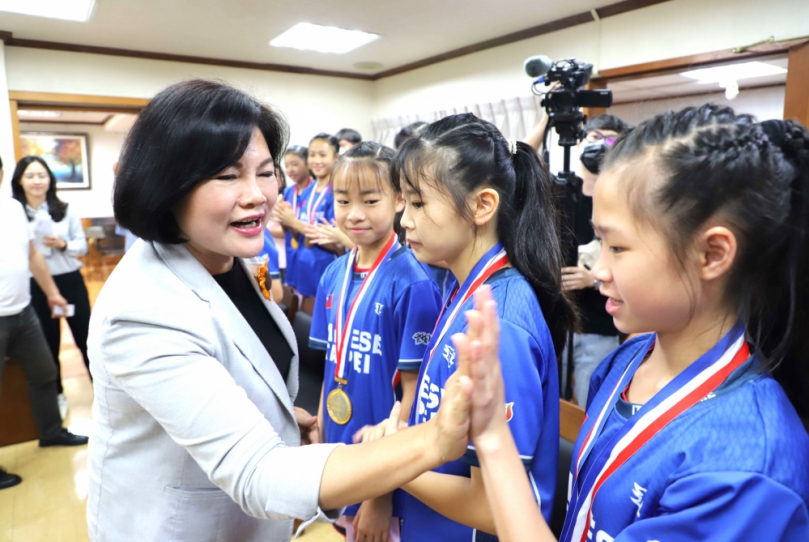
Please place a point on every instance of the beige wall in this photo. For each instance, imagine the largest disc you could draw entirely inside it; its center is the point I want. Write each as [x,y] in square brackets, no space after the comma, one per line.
[667,30]
[311,103]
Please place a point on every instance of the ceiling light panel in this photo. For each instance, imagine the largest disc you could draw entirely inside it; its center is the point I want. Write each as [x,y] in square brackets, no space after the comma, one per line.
[39,114]
[323,39]
[734,72]
[69,10]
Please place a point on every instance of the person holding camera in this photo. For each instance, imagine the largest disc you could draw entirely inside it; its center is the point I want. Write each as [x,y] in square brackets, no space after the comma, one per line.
[598,336]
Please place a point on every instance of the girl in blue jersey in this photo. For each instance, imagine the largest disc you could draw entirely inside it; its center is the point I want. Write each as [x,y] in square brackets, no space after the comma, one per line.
[483,205]
[375,310]
[693,432]
[288,209]
[317,206]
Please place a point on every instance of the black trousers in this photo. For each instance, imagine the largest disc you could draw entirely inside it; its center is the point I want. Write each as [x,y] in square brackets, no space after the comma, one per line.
[71,286]
[22,340]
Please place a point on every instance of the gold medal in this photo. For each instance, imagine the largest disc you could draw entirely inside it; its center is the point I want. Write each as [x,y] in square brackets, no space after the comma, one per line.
[294,242]
[339,406]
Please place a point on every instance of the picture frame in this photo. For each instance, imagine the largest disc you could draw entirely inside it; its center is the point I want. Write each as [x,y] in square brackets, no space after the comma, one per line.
[67,156]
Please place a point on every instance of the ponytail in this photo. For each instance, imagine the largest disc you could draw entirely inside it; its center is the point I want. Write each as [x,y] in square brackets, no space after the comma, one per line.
[784,317]
[463,153]
[527,227]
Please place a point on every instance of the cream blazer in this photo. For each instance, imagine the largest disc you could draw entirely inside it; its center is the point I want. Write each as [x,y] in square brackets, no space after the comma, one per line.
[195,437]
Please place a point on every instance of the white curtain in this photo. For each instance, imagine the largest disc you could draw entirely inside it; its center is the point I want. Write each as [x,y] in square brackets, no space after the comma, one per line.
[514,117]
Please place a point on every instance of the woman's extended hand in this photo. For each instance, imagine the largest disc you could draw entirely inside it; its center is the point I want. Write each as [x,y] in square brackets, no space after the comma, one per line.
[478,349]
[449,428]
[308,427]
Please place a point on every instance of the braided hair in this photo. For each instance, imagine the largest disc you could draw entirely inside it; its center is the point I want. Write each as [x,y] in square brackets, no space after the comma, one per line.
[714,162]
[462,153]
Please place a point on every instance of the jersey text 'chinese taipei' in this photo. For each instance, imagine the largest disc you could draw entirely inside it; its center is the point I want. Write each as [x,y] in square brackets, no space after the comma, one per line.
[717,454]
[312,261]
[389,332]
[532,395]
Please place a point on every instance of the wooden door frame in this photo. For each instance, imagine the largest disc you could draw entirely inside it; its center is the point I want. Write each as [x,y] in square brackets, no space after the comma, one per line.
[797,51]
[54,101]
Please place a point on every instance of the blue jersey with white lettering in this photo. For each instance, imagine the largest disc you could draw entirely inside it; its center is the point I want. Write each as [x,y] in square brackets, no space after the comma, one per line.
[271,252]
[391,330]
[532,402]
[733,467]
[291,273]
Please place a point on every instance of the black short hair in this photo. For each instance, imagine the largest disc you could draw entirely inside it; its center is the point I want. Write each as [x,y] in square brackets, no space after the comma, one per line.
[607,122]
[411,130]
[349,134]
[188,133]
[328,138]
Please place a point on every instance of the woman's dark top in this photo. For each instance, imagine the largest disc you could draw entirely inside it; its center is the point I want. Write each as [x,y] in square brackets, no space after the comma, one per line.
[240,290]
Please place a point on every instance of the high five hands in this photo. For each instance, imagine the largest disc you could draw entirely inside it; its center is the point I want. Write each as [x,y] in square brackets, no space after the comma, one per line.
[474,396]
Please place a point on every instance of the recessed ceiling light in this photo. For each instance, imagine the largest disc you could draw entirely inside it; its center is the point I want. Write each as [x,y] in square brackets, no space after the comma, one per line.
[734,72]
[324,39]
[69,10]
[40,114]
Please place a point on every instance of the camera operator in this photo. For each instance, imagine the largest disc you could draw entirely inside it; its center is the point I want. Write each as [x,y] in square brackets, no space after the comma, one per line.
[598,335]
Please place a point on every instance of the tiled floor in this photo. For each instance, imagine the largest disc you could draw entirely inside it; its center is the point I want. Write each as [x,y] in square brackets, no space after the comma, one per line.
[49,505]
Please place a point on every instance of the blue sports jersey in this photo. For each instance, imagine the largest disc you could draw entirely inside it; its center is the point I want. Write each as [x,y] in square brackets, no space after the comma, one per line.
[733,467]
[532,402]
[291,273]
[443,278]
[391,331]
[312,262]
[271,252]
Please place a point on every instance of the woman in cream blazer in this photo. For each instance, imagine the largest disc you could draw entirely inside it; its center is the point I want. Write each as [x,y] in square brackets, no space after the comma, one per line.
[196,437]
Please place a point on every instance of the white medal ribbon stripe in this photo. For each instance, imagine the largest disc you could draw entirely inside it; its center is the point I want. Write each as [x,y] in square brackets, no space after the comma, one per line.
[310,209]
[358,300]
[648,419]
[466,296]
[597,426]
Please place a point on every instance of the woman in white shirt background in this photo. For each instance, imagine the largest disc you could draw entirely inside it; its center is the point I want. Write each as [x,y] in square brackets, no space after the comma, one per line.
[60,237]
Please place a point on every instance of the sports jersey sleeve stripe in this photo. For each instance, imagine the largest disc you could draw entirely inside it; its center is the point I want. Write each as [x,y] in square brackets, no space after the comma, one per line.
[318,344]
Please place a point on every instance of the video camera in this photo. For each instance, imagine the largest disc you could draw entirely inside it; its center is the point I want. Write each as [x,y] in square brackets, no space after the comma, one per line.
[563,104]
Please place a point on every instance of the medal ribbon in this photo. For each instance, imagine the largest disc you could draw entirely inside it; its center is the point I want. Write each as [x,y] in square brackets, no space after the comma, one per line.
[492,262]
[311,208]
[343,327]
[295,206]
[688,388]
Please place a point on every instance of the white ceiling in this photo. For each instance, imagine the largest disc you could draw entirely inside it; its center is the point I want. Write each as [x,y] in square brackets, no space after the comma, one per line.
[663,86]
[241,29]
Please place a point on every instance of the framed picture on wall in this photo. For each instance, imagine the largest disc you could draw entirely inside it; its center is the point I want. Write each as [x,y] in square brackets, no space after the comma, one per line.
[65,154]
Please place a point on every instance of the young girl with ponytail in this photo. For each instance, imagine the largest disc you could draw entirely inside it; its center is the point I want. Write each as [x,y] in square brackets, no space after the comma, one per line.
[483,205]
[693,432]
[374,311]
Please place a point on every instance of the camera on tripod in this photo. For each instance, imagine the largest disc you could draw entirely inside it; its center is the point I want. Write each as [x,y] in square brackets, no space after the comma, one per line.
[563,104]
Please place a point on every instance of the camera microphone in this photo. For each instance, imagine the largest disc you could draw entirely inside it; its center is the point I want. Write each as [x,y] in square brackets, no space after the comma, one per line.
[537,66]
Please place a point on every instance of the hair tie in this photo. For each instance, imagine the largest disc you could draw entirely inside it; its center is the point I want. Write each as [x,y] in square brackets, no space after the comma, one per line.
[512,145]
